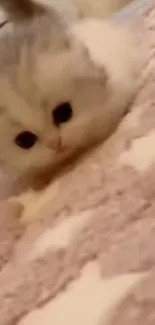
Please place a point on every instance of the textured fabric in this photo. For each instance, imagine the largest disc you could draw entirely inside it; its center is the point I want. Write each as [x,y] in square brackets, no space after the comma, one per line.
[134,10]
[89,259]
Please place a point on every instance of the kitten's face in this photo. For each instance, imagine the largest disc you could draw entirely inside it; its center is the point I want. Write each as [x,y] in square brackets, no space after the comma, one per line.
[55,99]
[44,110]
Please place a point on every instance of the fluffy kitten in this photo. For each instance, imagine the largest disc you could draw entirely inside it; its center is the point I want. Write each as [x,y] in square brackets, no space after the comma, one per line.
[63,88]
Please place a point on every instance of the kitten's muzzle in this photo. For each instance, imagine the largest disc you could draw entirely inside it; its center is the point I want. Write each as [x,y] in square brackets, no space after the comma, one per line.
[56,145]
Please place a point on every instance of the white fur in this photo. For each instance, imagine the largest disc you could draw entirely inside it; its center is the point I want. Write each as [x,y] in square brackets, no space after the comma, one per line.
[86,8]
[99,8]
[99,84]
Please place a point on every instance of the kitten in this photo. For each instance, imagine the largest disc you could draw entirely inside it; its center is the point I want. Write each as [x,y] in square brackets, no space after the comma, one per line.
[63,88]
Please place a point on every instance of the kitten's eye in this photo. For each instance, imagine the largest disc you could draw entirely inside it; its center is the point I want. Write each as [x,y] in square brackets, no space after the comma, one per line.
[62,113]
[26,140]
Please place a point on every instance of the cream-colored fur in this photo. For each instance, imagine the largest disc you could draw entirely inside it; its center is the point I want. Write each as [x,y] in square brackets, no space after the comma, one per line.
[93,65]
[99,8]
[87,8]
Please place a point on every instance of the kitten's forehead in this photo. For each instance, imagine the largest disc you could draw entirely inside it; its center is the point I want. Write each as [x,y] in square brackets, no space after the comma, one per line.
[41,34]
[34,72]
[19,112]
[30,52]
[29,95]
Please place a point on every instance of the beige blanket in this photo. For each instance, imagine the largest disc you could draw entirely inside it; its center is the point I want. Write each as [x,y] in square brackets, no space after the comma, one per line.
[88,258]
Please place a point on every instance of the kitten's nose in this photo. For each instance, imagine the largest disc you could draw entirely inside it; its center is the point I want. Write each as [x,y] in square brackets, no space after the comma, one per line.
[54,144]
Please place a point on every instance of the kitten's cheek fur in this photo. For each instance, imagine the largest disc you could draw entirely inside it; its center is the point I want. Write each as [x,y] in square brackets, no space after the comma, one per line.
[81,134]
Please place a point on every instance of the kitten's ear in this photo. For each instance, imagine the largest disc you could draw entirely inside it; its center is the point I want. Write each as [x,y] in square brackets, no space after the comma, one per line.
[22,9]
[87,68]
